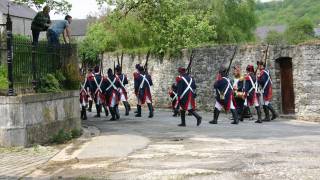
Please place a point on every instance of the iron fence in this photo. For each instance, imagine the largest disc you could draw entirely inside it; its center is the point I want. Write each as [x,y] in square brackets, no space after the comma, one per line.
[30,63]
[27,63]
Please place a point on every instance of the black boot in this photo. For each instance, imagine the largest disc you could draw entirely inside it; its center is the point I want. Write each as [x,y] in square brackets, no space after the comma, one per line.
[98,108]
[90,106]
[116,109]
[138,111]
[175,112]
[235,116]
[183,118]
[81,113]
[274,114]
[197,116]
[126,106]
[259,115]
[150,110]
[241,113]
[266,113]
[105,110]
[129,107]
[113,114]
[216,113]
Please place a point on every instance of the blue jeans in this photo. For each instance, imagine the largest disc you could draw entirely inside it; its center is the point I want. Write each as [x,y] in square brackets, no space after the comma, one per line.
[53,38]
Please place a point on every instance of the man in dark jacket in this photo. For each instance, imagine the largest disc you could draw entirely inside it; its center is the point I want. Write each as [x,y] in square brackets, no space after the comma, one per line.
[186,90]
[142,85]
[224,97]
[40,22]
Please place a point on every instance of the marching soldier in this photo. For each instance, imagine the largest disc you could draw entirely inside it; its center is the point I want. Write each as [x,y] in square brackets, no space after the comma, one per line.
[186,89]
[265,83]
[224,97]
[84,94]
[136,74]
[142,86]
[95,84]
[238,83]
[122,79]
[250,89]
[111,86]
[90,100]
[174,99]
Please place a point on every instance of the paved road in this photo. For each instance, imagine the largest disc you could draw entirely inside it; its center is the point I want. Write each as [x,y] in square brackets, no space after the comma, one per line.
[19,162]
[142,148]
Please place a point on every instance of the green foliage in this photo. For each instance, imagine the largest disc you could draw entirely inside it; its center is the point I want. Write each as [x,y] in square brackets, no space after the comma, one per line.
[60,6]
[72,77]
[169,25]
[97,41]
[60,77]
[61,137]
[64,136]
[275,38]
[300,31]
[75,133]
[3,77]
[235,20]
[49,84]
[287,11]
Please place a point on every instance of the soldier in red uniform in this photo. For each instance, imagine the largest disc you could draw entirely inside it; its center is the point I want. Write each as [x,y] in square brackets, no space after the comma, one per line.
[250,92]
[186,90]
[123,81]
[265,84]
[142,86]
[174,99]
[110,88]
[224,97]
[136,74]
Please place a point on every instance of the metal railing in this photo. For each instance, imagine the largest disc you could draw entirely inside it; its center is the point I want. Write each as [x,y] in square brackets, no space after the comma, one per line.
[27,63]
[30,62]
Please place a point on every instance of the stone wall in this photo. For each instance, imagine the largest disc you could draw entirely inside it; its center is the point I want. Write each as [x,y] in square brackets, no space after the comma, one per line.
[33,119]
[306,73]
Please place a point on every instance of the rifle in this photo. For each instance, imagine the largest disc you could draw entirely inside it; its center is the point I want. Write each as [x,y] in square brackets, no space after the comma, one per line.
[121,61]
[114,67]
[101,64]
[266,55]
[190,62]
[146,64]
[231,60]
[265,58]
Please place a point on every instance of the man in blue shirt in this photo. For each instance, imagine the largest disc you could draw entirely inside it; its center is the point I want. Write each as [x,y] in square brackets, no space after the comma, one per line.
[57,29]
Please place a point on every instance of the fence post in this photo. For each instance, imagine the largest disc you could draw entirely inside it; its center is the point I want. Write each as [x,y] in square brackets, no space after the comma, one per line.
[10,54]
[33,61]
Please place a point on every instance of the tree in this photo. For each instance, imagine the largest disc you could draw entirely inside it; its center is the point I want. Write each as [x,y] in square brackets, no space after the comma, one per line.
[170,25]
[96,42]
[300,31]
[275,38]
[235,20]
[60,6]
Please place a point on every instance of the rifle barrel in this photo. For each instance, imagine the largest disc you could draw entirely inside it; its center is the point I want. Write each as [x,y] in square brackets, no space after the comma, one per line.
[231,60]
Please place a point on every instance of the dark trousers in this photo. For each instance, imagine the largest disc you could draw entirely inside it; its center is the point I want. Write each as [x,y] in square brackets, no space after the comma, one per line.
[53,38]
[35,37]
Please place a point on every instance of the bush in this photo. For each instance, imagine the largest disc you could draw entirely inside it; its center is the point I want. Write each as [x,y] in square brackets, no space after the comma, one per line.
[60,77]
[275,38]
[300,31]
[3,78]
[72,77]
[62,136]
[75,133]
[48,84]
